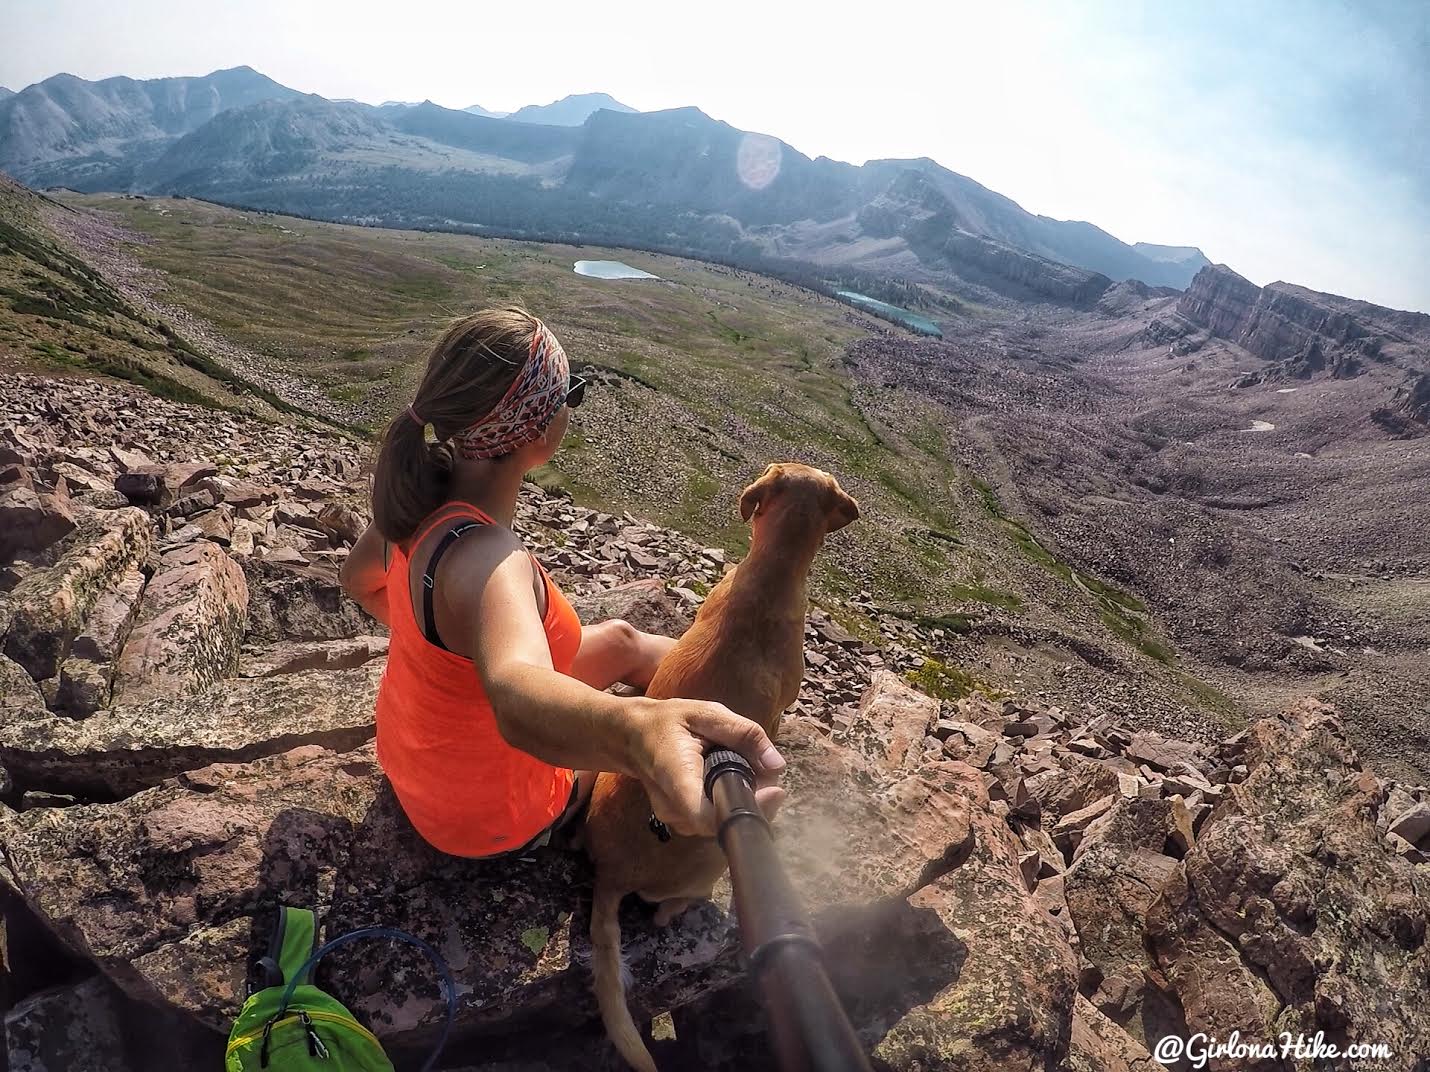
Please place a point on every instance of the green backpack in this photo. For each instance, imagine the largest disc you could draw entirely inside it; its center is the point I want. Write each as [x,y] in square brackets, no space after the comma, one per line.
[291,1026]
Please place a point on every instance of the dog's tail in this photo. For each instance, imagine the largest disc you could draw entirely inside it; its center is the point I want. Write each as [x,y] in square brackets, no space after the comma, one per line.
[609,982]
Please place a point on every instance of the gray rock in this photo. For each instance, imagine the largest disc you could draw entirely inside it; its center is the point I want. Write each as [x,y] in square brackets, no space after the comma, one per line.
[1291,902]
[295,602]
[341,522]
[108,624]
[20,697]
[39,798]
[1064,791]
[1165,753]
[291,657]
[1113,881]
[84,687]
[146,486]
[215,525]
[1068,831]
[646,604]
[194,502]
[963,740]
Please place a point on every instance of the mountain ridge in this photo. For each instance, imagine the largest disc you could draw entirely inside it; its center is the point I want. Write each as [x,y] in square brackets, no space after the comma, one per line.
[718,190]
[570,111]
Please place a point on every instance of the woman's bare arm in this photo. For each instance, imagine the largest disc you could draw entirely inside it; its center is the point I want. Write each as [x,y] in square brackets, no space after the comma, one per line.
[364,574]
[487,609]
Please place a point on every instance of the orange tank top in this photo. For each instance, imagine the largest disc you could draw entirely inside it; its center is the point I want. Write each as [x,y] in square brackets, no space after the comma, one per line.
[465,790]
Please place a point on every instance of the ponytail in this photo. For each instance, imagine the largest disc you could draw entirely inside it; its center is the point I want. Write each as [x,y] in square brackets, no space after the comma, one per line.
[409,480]
[469,370]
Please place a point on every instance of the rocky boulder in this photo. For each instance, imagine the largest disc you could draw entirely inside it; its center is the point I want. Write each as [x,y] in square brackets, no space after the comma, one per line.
[294,656]
[32,520]
[1412,399]
[1007,1002]
[341,522]
[20,697]
[47,610]
[1098,1044]
[66,1029]
[146,485]
[1121,864]
[893,720]
[118,752]
[293,601]
[88,673]
[1290,913]
[1071,788]
[72,1020]
[190,626]
[646,604]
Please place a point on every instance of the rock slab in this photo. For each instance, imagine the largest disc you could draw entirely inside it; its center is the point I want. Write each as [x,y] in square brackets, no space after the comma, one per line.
[48,608]
[134,746]
[190,626]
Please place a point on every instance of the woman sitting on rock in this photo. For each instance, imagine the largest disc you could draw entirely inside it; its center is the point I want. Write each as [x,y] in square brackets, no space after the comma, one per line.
[492,712]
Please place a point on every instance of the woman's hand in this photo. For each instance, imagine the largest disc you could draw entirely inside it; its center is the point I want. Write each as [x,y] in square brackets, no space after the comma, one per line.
[672,737]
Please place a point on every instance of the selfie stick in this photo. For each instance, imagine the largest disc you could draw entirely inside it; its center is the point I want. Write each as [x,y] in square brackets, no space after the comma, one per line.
[811,1032]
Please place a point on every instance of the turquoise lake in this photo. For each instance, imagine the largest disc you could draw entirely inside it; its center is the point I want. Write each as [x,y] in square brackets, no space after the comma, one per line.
[611,270]
[922,324]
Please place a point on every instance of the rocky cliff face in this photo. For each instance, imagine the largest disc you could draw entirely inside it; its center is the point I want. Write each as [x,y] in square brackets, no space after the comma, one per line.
[973,257]
[1413,400]
[1220,301]
[1303,334]
[1283,325]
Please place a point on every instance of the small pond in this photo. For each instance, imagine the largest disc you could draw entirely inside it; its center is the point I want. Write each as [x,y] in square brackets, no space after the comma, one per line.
[611,270]
[911,320]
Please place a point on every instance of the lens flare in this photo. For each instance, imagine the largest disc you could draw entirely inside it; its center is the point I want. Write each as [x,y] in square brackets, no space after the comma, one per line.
[758,161]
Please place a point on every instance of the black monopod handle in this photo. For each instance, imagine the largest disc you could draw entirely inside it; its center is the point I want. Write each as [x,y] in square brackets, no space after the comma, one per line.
[811,1031]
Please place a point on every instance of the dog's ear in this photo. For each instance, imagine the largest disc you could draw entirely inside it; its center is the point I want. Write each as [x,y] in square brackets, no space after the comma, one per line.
[757,492]
[843,510]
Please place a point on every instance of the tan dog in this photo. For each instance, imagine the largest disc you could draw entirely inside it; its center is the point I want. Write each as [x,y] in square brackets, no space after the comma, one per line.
[745,650]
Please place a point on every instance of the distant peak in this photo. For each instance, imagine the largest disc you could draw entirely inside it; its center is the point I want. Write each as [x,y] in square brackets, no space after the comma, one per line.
[687,111]
[603,97]
[571,110]
[1171,254]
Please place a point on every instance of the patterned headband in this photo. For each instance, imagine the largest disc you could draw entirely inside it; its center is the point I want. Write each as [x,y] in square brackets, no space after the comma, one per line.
[528,405]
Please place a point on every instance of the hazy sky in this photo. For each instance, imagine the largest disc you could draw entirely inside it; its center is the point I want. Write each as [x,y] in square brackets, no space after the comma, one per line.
[1287,138]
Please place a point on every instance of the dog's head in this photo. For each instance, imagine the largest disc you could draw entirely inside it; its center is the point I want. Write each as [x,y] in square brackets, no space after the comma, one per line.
[793,487]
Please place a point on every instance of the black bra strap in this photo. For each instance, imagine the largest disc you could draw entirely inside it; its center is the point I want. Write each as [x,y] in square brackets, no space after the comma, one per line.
[429,579]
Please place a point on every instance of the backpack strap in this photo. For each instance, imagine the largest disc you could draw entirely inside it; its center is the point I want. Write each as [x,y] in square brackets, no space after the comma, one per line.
[449,990]
[294,937]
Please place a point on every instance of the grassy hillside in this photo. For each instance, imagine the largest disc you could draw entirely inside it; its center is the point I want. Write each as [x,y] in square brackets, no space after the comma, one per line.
[704,376]
[712,370]
[60,315]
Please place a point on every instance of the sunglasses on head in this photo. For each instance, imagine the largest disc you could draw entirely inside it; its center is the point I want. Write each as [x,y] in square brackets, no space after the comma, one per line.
[575,391]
